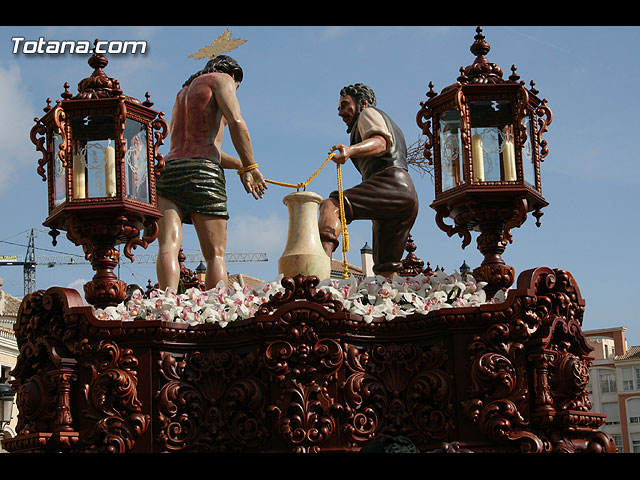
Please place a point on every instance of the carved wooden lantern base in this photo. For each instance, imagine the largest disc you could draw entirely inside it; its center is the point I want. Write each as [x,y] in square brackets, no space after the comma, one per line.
[494,217]
[99,233]
[498,277]
[104,293]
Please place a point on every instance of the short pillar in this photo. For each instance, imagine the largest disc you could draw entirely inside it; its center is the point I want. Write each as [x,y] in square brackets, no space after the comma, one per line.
[303,253]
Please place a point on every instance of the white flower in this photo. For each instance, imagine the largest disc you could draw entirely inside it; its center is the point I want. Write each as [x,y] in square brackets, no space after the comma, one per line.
[369,311]
[343,290]
[223,317]
[372,297]
[499,297]
[207,314]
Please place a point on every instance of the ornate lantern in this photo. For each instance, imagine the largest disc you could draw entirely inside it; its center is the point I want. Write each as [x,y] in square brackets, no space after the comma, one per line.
[487,147]
[98,156]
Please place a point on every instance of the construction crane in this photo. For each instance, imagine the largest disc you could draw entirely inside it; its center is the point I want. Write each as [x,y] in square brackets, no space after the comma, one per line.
[29,261]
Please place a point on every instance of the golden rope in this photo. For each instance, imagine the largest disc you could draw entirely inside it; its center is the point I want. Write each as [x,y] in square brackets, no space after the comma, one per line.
[303,185]
[248,168]
[343,221]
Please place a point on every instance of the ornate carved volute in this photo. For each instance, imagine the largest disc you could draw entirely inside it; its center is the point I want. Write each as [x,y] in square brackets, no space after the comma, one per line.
[399,390]
[111,407]
[211,401]
[530,372]
[56,410]
[303,362]
[301,287]
[332,382]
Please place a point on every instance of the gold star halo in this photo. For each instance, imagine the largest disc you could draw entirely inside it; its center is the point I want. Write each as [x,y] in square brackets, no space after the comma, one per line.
[224,43]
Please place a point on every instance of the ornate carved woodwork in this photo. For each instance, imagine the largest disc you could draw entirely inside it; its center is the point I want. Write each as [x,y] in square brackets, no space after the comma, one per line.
[305,375]
[411,264]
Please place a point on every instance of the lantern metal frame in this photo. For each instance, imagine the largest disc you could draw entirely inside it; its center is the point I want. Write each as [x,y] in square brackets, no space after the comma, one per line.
[492,207]
[100,223]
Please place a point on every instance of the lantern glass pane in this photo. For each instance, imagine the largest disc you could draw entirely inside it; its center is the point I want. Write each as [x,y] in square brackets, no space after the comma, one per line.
[58,173]
[94,156]
[492,147]
[528,159]
[7,408]
[136,161]
[450,149]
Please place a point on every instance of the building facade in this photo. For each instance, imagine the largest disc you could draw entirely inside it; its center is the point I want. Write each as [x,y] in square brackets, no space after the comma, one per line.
[9,306]
[614,386]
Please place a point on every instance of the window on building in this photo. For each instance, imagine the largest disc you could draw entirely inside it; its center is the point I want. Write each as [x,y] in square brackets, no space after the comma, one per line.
[618,439]
[635,443]
[627,379]
[4,373]
[609,351]
[609,348]
[630,378]
[607,382]
[612,411]
[633,410]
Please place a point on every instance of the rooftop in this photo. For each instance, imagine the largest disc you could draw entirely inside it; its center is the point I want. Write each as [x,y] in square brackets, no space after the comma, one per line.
[631,353]
[243,280]
[9,304]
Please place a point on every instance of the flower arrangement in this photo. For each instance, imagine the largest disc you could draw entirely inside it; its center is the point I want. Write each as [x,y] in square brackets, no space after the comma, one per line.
[372,297]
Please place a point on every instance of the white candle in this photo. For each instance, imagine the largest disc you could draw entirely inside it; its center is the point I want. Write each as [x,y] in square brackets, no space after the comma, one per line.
[110,171]
[79,181]
[508,160]
[478,158]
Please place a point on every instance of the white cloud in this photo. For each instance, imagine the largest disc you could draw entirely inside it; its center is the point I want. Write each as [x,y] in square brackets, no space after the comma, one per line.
[249,233]
[78,285]
[18,151]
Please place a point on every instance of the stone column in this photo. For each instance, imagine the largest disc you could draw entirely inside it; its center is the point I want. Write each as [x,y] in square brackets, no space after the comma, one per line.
[303,253]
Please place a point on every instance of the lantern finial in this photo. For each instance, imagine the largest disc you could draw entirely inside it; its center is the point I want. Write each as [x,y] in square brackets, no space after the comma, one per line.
[480,47]
[482,71]
[97,61]
[98,85]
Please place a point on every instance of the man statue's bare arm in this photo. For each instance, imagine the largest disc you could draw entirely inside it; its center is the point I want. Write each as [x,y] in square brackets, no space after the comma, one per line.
[227,161]
[224,89]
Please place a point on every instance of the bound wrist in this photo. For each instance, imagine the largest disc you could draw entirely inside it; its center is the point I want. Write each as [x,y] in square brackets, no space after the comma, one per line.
[248,168]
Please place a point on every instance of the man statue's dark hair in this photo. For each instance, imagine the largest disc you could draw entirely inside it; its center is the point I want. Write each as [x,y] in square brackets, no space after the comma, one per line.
[359,92]
[220,63]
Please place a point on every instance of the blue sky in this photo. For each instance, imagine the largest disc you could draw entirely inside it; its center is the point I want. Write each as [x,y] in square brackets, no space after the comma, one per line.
[289,100]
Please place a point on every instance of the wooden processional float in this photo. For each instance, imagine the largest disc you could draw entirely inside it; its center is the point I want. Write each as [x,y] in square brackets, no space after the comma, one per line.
[306,374]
